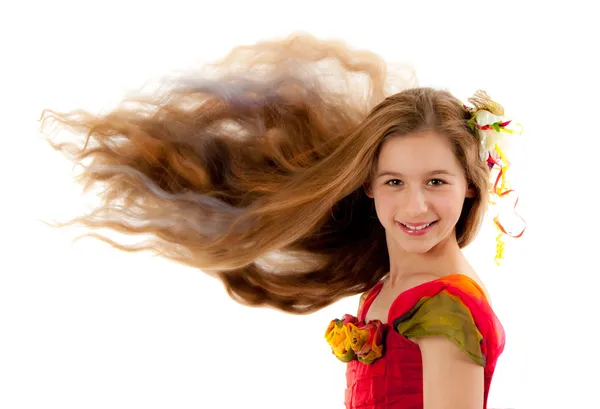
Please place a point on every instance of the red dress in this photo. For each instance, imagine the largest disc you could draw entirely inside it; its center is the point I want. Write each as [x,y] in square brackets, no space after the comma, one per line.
[454,307]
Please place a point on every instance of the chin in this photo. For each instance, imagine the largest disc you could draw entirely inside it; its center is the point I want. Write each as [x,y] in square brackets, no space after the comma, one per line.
[416,247]
[421,250]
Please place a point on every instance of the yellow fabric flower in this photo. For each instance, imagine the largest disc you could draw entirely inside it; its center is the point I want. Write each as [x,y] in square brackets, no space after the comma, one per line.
[338,337]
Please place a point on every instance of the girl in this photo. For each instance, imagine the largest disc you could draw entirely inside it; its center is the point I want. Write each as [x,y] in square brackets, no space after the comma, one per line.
[278,174]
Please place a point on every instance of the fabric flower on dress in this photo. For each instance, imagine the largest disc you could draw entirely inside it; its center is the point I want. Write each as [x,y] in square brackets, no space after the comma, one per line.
[338,337]
[351,339]
[367,341]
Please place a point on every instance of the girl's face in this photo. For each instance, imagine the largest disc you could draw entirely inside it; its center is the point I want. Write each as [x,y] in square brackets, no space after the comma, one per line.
[419,190]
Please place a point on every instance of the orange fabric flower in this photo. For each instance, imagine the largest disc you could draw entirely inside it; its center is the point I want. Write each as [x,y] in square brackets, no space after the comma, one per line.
[367,341]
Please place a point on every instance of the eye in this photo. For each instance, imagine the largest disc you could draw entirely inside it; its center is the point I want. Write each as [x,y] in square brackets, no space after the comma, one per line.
[438,182]
[393,182]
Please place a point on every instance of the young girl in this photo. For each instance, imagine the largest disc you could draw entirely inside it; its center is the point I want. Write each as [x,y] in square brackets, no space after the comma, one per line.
[278,174]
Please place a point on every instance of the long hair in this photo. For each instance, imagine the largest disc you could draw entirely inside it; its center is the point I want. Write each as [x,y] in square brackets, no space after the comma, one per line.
[255,172]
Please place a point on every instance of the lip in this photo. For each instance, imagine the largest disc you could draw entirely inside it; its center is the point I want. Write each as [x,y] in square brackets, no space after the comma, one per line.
[416,233]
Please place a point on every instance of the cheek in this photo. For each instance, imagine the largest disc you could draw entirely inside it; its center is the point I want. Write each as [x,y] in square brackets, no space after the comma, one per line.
[449,205]
[384,204]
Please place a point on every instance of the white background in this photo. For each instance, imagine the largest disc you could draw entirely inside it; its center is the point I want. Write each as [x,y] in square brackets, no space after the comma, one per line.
[85,326]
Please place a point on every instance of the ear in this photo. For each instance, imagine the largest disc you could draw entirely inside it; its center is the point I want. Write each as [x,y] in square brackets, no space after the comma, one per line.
[471,191]
[368,191]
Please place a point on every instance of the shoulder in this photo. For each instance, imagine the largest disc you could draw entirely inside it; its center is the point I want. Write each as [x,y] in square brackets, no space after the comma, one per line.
[455,309]
[363,297]
[459,339]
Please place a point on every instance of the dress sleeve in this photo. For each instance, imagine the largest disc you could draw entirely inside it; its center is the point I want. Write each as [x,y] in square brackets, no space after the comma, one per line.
[443,314]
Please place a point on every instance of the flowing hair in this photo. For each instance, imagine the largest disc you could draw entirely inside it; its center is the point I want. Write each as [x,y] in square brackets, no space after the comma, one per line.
[255,170]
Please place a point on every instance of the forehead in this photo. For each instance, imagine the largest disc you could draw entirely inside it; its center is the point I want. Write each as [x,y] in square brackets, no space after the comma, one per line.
[418,153]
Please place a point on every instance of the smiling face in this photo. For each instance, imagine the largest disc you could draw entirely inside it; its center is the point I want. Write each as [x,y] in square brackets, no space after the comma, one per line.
[419,189]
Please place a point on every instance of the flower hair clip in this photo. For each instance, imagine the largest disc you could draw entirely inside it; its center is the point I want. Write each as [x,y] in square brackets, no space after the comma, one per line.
[494,133]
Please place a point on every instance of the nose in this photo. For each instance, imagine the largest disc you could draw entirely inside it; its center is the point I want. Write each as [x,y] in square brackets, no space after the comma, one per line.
[416,203]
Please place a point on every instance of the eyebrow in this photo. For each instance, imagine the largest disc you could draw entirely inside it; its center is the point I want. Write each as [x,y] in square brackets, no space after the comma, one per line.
[398,174]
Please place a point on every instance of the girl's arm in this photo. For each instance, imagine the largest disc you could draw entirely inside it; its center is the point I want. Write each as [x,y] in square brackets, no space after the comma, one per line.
[451,380]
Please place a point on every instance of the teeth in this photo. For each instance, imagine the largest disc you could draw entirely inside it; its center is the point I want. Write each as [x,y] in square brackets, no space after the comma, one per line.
[418,227]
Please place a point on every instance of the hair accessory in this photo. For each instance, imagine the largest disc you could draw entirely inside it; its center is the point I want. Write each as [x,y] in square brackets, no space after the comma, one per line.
[494,134]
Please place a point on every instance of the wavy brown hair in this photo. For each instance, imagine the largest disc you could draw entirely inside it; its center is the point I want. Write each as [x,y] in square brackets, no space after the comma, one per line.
[255,169]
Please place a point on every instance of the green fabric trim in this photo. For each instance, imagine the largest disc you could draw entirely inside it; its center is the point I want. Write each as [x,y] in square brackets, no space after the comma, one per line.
[443,315]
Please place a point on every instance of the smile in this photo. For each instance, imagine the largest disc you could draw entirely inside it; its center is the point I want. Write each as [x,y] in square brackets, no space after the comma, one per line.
[417,227]
[416,230]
